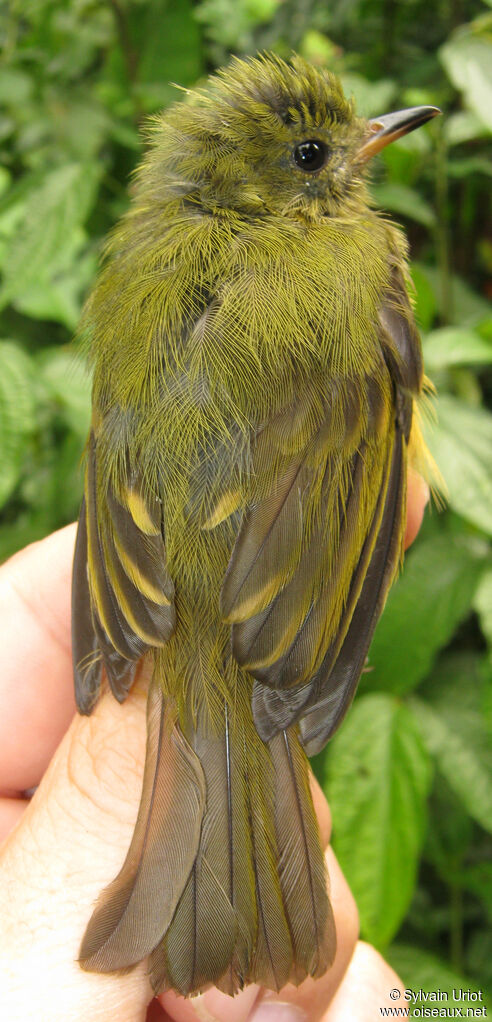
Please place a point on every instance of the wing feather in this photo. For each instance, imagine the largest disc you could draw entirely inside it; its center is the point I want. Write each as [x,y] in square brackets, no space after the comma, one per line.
[304,635]
[86,651]
[284,644]
[267,548]
[335,687]
[123,602]
[399,337]
[275,708]
[107,608]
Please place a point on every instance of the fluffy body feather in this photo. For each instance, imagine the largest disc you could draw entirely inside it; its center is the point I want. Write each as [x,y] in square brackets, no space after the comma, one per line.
[255,363]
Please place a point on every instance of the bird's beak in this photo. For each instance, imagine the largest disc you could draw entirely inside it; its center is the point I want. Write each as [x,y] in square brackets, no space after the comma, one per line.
[386,129]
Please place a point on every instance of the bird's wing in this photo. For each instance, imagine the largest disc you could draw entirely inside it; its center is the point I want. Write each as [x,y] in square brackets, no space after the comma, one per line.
[122,593]
[316,552]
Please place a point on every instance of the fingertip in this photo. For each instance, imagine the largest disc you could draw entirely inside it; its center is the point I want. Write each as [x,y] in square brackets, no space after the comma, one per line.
[370,988]
[212,1006]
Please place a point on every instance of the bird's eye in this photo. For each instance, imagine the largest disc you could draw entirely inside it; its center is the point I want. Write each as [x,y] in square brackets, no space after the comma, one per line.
[310,155]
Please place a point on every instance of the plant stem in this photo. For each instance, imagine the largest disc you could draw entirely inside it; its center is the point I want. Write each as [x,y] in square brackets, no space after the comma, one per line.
[125,41]
[442,230]
[129,55]
[456,926]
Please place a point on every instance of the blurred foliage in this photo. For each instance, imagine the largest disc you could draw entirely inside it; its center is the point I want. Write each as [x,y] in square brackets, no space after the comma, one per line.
[409,774]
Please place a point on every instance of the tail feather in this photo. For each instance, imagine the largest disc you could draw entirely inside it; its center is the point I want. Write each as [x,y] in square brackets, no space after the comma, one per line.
[200,941]
[137,907]
[227,838]
[272,959]
[255,907]
[220,891]
[301,866]
[224,882]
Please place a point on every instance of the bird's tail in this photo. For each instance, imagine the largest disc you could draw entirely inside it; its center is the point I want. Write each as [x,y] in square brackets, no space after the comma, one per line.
[224,882]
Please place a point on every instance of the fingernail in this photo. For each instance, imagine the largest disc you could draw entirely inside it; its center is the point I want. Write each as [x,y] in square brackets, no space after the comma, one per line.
[277,1011]
[214,1006]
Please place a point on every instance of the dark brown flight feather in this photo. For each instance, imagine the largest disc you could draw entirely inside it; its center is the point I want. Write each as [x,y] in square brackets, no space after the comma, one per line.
[129,605]
[86,653]
[337,687]
[135,910]
[301,865]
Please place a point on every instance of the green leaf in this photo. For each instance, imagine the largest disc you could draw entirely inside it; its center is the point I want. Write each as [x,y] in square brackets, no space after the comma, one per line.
[463,126]
[378,775]
[467,58]
[451,724]
[5,180]
[167,40]
[425,299]
[450,346]
[478,879]
[433,594]
[16,413]
[318,49]
[482,603]
[466,309]
[399,198]
[470,165]
[48,300]
[461,443]
[423,971]
[60,299]
[371,98]
[50,228]
[68,382]
[479,960]
[15,86]
[231,22]
[19,191]
[449,833]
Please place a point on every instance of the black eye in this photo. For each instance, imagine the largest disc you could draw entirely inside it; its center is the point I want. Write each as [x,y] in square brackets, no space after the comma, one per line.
[310,155]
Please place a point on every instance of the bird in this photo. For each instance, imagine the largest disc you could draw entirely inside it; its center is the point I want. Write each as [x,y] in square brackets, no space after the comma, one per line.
[256,375]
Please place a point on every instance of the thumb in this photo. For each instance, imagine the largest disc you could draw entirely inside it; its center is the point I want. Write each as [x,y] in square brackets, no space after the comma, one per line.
[69,843]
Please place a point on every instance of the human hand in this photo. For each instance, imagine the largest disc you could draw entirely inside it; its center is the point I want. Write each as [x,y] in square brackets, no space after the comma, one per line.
[68,841]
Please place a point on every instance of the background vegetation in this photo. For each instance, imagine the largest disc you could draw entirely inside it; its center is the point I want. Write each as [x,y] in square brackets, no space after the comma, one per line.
[409,774]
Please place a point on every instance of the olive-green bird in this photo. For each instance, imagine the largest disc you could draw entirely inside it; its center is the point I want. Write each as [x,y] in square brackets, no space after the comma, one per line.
[256,364]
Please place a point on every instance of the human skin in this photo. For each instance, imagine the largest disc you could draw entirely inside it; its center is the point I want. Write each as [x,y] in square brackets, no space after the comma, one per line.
[68,841]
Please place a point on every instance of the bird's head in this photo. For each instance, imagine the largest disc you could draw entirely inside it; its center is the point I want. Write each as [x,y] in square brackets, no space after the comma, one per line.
[266,136]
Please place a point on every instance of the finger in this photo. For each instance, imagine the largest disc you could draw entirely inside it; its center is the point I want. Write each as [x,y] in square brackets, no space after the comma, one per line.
[369,987]
[11,810]
[69,843]
[36,688]
[156,1013]
[213,1006]
[417,499]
